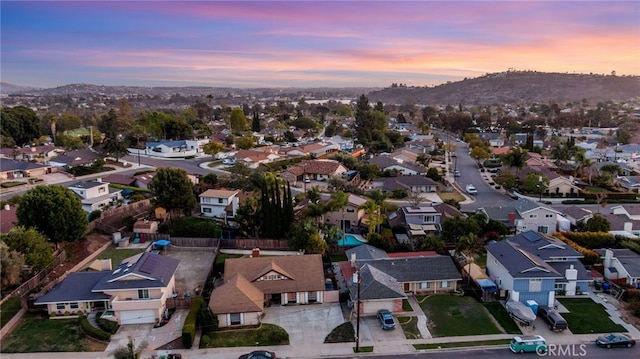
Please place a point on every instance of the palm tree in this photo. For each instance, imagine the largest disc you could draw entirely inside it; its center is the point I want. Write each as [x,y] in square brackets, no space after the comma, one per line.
[469,245]
[515,158]
[374,216]
[338,201]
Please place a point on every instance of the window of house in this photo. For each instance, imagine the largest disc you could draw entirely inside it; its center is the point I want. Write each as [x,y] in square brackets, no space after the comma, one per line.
[235,318]
[220,200]
[533,216]
[429,219]
[424,285]
[535,285]
[543,229]
[74,305]
[102,190]
[143,294]
[206,210]
[444,284]
[549,216]
[60,306]
[350,210]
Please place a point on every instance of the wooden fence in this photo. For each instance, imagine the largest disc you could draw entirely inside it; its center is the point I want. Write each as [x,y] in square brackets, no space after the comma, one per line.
[179,302]
[248,243]
[35,281]
[195,242]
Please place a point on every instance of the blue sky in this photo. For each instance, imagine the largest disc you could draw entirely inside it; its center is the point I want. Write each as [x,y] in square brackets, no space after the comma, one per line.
[310,43]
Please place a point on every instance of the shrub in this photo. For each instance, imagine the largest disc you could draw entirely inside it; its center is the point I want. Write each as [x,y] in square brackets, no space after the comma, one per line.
[52,314]
[107,325]
[498,186]
[92,331]
[189,327]
[590,256]
[67,313]
[593,240]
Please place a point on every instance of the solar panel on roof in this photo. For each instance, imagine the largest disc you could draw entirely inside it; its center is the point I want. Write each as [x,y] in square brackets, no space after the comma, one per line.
[149,264]
[531,236]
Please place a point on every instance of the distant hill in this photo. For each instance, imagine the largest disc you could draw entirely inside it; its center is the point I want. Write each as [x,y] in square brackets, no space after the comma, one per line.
[516,86]
[8,89]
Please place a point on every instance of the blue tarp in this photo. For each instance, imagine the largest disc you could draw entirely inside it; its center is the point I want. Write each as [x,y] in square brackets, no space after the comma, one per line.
[487,285]
[162,243]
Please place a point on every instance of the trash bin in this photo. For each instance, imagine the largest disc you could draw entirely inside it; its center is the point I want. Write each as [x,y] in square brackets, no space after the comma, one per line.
[597,284]
[605,287]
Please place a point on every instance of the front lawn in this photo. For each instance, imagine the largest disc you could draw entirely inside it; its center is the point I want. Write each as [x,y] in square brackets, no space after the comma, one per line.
[406,306]
[444,196]
[451,315]
[36,334]
[586,316]
[502,317]
[8,309]
[117,255]
[410,327]
[267,334]
[461,344]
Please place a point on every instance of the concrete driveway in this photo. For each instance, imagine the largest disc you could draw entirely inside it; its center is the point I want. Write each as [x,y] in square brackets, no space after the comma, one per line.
[371,331]
[193,268]
[306,324]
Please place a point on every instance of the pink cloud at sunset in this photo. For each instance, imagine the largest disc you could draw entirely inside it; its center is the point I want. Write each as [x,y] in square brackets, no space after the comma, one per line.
[311,43]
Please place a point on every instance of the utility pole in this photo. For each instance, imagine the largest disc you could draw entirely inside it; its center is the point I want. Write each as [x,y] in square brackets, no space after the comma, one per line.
[540,179]
[359,279]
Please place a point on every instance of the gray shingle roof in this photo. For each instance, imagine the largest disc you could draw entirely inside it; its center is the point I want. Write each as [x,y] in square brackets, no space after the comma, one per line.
[375,284]
[76,287]
[519,263]
[7,165]
[561,267]
[366,251]
[417,269]
[524,205]
[155,270]
[544,246]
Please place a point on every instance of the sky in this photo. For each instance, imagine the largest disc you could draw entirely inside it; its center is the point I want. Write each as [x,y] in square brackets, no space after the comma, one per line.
[246,44]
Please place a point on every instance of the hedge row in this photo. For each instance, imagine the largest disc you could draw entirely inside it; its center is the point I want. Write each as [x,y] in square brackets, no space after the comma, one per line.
[611,196]
[593,240]
[590,256]
[107,325]
[92,331]
[190,323]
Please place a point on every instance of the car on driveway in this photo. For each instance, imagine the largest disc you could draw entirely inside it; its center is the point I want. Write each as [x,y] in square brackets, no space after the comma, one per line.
[386,319]
[615,340]
[258,354]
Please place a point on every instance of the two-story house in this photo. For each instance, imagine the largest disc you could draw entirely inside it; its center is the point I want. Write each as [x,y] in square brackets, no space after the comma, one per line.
[348,218]
[536,216]
[418,221]
[534,266]
[136,291]
[219,203]
[95,195]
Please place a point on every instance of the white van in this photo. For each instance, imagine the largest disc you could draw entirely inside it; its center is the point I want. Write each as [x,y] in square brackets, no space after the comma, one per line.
[471,189]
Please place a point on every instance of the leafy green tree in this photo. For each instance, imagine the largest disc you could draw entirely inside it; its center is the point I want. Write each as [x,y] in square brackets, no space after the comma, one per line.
[469,246]
[20,124]
[130,351]
[432,243]
[598,223]
[374,216]
[478,153]
[11,263]
[173,190]
[255,124]
[115,147]
[67,121]
[212,148]
[434,174]
[37,252]
[237,119]
[54,211]
[245,142]
[338,202]
[248,216]
[515,158]
[506,179]
[332,235]
[453,228]
[623,136]
[532,183]
[316,244]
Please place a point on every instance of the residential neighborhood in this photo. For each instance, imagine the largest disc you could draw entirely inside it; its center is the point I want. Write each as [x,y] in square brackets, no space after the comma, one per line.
[300,232]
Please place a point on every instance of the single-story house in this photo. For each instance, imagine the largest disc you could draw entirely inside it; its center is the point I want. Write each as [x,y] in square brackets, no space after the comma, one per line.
[412,184]
[12,169]
[136,290]
[404,168]
[621,264]
[252,283]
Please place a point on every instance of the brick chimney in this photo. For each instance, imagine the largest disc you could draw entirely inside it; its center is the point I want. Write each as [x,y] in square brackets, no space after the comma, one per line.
[255,253]
[512,218]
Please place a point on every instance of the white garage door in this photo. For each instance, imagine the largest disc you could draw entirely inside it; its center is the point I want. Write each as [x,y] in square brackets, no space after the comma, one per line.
[138,317]
[372,307]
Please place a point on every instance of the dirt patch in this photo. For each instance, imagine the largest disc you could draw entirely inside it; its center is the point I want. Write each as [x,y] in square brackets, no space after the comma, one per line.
[78,251]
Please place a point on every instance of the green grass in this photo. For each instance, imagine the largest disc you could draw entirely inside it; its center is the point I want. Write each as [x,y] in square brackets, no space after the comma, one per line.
[481,261]
[343,333]
[262,336]
[220,258]
[117,255]
[406,306]
[502,317]
[410,327]
[363,350]
[595,190]
[335,258]
[586,316]
[461,344]
[451,195]
[455,316]
[8,310]
[35,334]
[215,163]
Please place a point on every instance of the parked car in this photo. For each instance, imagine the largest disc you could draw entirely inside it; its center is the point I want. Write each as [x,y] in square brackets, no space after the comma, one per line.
[456,173]
[615,340]
[528,344]
[229,161]
[555,321]
[258,354]
[386,319]
[471,189]
[307,180]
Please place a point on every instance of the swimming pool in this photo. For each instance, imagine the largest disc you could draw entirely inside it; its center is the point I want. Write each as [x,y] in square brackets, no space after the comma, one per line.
[349,240]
